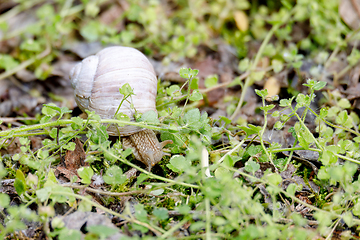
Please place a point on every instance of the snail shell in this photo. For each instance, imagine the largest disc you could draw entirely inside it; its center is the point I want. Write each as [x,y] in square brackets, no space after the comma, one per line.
[97,79]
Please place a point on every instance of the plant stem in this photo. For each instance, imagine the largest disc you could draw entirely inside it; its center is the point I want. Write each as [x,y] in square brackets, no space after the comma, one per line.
[332,214]
[253,66]
[158,231]
[208,219]
[335,126]
[12,131]
[151,175]
[174,228]
[261,134]
[26,63]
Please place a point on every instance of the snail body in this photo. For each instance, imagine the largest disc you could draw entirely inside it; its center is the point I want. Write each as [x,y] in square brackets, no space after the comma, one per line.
[96,82]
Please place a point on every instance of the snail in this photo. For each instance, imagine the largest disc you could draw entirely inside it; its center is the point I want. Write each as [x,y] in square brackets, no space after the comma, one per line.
[96,82]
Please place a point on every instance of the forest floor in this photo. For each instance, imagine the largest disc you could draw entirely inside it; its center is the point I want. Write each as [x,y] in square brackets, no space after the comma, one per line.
[259,102]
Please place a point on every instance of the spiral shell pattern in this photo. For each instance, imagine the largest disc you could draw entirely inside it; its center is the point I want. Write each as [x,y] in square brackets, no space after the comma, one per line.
[97,79]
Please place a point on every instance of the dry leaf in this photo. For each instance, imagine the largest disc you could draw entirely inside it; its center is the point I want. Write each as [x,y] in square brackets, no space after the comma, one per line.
[75,159]
[273,87]
[350,12]
[241,20]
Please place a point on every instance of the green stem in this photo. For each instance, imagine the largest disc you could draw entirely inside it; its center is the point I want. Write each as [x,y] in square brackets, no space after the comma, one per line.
[151,175]
[232,150]
[158,231]
[335,126]
[26,63]
[261,134]
[174,228]
[347,158]
[295,199]
[308,131]
[290,156]
[18,9]
[253,66]
[293,149]
[13,131]
[208,219]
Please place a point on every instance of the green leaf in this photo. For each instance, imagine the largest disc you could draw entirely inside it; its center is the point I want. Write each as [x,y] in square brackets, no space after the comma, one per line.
[277,65]
[57,223]
[211,81]
[91,9]
[252,166]
[185,72]
[297,64]
[225,120]
[157,192]
[85,173]
[257,76]
[291,189]
[70,146]
[161,213]
[173,90]
[7,62]
[102,231]
[31,45]
[348,218]
[261,93]
[61,194]
[278,125]
[244,65]
[251,129]
[125,153]
[304,137]
[269,50]
[354,57]
[69,234]
[4,200]
[323,113]
[323,174]
[64,110]
[254,150]
[192,118]
[185,209]
[286,102]
[20,182]
[356,209]
[150,117]
[77,122]
[344,103]
[319,85]
[45,11]
[51,179]
[178,163]
[194,83]
[114,175]
[123,117]
[43,193]
[142,177]
[196,226]
[140,213]
[126,90]
[50,110]
[221,173]
[91,31]
[24,141]
[328,158]
[267,108]
[274,178]
[342,118]
[194,72]
[196,96]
